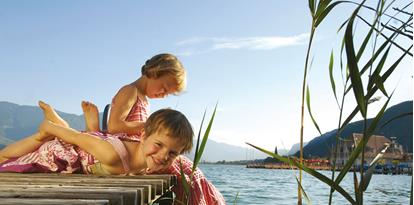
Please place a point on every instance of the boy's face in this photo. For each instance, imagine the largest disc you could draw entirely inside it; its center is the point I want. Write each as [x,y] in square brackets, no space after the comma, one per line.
[160,150]
[161,87]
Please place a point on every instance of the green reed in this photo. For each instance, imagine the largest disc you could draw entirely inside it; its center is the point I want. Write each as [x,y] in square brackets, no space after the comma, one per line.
[372,73]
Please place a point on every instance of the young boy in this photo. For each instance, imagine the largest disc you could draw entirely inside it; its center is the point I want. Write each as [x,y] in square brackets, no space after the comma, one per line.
[59,148]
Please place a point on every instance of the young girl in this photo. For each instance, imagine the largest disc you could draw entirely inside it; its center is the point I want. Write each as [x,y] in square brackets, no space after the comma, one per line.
[168,133]
[162,75]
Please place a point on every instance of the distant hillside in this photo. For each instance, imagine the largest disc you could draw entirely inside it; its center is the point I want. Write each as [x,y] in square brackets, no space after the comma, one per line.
[18,121]
[216,151]
[401,128]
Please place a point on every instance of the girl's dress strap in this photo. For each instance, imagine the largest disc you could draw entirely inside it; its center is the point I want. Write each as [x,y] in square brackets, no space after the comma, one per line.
[122,152]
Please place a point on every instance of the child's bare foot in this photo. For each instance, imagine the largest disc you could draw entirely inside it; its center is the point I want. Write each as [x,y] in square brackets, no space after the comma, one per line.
[42,135]
[51,115]
[91,114]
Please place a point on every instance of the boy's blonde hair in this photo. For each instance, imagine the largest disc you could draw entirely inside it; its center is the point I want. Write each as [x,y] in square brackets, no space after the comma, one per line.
[174,123]
[165,64]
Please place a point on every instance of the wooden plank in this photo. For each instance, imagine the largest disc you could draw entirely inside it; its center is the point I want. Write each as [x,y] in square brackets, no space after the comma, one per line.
[128,196]
[27,201]
[161,185]
[148,192]
[168,179]
[151,187]
[156,183]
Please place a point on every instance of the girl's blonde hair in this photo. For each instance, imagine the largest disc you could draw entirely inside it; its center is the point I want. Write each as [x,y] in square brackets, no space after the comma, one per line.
[165,64]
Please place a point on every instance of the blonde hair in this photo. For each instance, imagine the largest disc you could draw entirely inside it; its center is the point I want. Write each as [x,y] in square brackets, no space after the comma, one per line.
[165,64]
[174,123]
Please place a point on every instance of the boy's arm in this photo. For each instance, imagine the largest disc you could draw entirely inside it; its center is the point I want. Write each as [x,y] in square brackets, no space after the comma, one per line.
[100,149]
[122,104]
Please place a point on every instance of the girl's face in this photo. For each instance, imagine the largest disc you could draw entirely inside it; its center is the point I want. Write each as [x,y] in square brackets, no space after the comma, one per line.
[160,150]
[160,87]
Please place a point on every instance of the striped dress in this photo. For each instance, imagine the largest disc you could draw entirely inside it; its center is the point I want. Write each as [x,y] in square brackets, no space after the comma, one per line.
[60,157]
[202,191]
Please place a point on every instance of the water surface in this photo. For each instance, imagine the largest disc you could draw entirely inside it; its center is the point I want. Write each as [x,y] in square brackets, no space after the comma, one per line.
[273,186]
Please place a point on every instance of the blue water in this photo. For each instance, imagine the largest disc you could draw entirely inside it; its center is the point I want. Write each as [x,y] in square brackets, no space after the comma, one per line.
[272,186]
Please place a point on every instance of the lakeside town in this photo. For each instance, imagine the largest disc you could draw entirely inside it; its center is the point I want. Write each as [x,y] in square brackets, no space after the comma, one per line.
[394,160]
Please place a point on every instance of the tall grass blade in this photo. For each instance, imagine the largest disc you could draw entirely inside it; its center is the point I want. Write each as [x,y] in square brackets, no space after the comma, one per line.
[184,181]
[370,171]
[308,201]
[310,171]
[356,188]
[235,199]
[323,12]
[331,78]
[358,150]
[197,154]
[205,137]
[353,65]
[375,77]
[310,111]
[312,5]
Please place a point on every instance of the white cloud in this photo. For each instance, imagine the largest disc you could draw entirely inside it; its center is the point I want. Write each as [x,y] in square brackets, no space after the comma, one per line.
[249,43]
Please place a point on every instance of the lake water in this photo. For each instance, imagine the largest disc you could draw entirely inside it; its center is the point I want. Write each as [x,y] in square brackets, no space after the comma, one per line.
[273,186]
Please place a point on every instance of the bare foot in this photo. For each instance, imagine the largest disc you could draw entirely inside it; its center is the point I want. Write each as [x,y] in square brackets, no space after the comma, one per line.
[43,135]
[51,115]
[91,114]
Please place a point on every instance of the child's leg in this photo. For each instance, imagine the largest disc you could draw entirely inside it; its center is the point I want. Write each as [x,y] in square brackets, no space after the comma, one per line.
[91,114]
[23,146]
[31,143]
[51,115]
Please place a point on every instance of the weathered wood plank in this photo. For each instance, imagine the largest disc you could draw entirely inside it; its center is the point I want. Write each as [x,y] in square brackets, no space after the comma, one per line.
[148,192]
[147,188]
[127,196]
[161,184]
[28,201]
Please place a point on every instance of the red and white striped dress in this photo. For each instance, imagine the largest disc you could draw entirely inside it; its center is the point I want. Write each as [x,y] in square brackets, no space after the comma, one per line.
[60,157]
[202,191]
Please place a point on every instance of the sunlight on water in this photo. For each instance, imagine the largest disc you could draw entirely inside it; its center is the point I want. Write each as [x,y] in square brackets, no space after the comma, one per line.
[267,186]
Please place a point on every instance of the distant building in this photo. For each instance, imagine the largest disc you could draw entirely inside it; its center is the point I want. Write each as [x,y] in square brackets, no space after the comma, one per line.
[375,144]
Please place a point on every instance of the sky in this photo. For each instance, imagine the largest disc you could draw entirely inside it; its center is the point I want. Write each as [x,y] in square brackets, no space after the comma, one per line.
[246,56]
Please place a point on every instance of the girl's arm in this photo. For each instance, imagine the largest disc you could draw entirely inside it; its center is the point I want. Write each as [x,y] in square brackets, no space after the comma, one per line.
[122,104]
[99,148]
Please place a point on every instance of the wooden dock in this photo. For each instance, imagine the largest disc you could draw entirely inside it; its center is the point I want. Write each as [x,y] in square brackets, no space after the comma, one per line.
[80,189]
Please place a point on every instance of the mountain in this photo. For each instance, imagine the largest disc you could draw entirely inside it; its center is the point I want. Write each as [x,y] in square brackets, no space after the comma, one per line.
[401,128]
[216,151]
[295,148]
[18,121]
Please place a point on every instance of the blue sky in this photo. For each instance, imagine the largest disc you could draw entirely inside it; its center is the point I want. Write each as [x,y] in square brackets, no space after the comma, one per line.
[247,55]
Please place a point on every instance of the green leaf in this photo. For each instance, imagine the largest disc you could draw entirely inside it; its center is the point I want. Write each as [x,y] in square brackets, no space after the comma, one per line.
[310,171]
[331,78]
[370,171]
[302,190]
[197,156]
[358,150]
[376,75]
[205,137]
[312,5]
[356,185]
[353,66]
[310,111]
[321,14]
[184,180]
[235,199]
